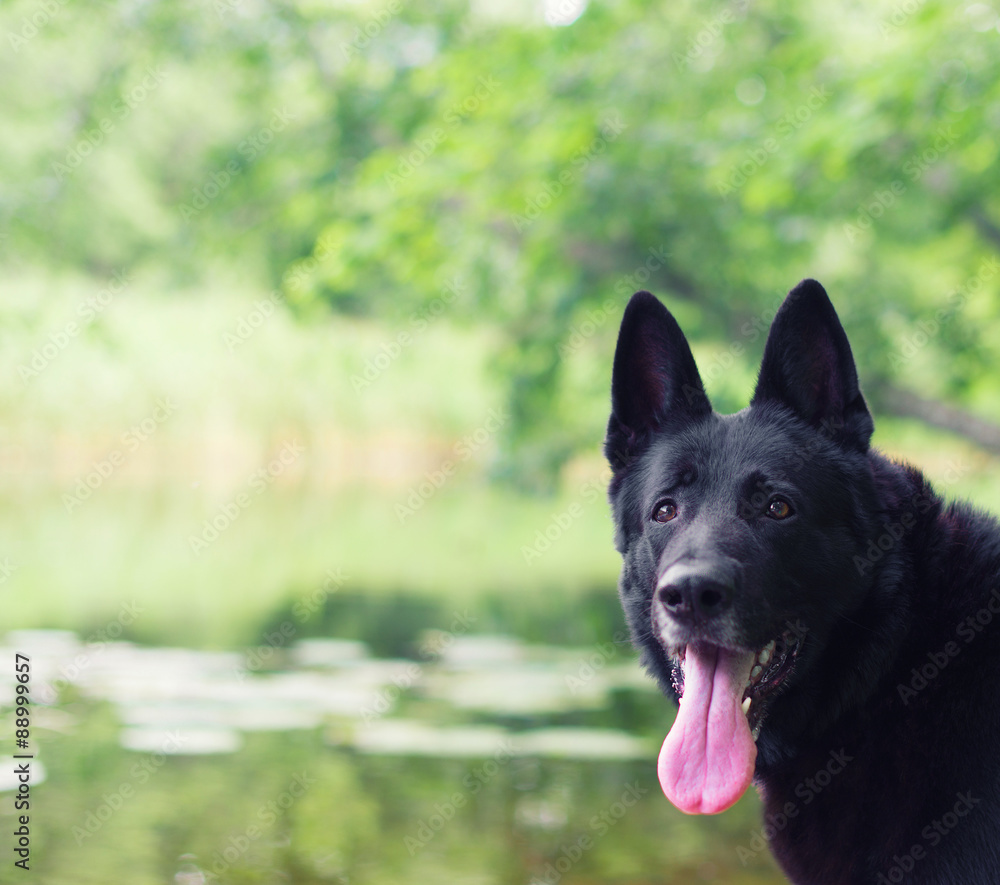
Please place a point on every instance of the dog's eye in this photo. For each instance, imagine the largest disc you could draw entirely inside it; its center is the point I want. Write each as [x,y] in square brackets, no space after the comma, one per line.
[665,511]
[779,508]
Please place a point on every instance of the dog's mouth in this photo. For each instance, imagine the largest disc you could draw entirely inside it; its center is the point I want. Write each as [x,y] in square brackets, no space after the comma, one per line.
[708,758]
[769,670]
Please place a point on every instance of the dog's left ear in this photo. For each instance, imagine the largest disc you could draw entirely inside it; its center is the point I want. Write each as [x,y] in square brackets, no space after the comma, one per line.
[808,366]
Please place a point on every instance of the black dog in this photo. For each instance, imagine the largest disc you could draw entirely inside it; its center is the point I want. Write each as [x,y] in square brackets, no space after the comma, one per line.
[827,623]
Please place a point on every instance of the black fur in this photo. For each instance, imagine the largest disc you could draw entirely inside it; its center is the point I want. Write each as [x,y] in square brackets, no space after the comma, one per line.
[895,694]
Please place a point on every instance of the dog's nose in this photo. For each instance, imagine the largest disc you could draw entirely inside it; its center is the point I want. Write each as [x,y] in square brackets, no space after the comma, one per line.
[689,593]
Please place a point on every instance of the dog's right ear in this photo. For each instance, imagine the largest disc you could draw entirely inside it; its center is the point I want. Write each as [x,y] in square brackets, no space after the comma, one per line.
[655,382]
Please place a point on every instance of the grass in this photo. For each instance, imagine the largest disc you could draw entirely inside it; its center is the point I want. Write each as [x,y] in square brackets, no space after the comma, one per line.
[132,547]
[366,497]
[356,499]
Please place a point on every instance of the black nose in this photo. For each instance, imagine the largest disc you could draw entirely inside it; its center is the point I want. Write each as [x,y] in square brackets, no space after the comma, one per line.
[688,593]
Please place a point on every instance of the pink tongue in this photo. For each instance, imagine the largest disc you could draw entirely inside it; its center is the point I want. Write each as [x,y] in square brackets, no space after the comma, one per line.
[707,760]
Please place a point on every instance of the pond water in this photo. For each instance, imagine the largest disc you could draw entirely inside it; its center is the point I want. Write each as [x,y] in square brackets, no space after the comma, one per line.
[482,759]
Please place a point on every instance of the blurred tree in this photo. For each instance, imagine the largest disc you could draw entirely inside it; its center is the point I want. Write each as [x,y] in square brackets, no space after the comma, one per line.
[713,154]
[416,163]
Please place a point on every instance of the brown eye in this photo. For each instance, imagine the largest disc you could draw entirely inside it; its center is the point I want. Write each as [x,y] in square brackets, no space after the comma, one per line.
[665,511]
[779,508]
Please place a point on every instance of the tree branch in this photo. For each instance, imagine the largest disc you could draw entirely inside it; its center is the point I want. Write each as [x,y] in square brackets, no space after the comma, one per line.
[904,404]
[985,225]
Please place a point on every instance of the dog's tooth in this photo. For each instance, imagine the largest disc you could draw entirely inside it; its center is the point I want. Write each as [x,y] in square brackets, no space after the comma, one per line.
[746,705]
[765,654]
[755,672]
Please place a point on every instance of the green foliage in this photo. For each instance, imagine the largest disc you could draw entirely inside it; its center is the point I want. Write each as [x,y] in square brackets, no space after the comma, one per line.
[706,146]
[403,162]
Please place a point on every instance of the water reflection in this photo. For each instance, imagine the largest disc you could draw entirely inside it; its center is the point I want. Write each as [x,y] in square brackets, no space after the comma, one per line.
[495,762]
[212,698]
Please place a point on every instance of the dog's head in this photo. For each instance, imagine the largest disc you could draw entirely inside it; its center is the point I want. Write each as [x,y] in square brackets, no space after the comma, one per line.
[739,533]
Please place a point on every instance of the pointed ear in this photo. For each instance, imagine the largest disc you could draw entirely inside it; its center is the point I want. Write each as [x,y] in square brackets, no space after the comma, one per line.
[808,366]
[655,381]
